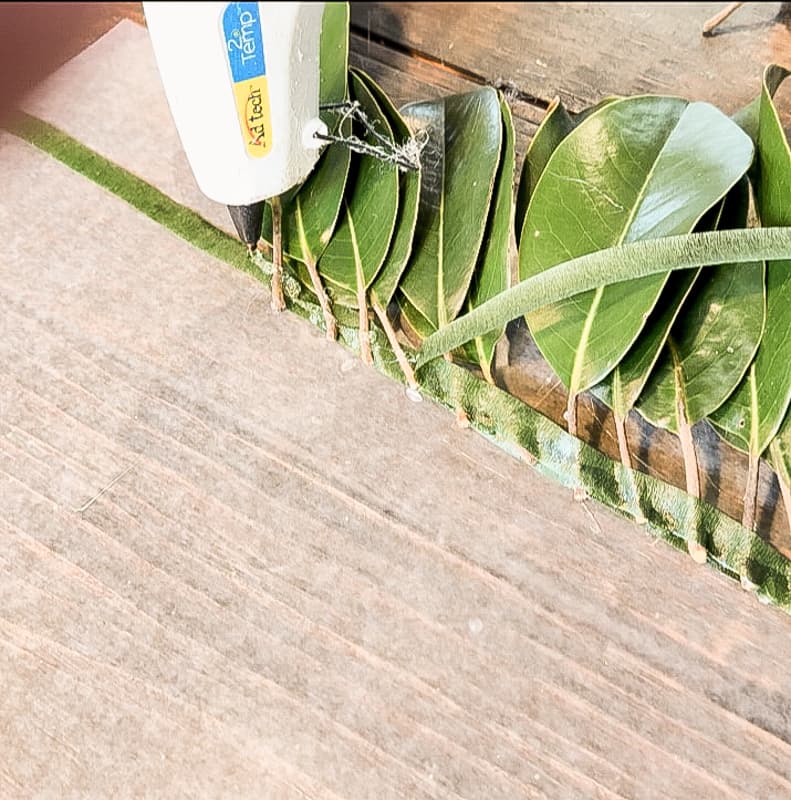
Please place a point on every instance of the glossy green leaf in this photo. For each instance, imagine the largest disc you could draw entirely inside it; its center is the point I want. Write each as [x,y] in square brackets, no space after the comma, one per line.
[311,211]
[603,267]
[334,54]
[780,451]
[556,125]
[384,286]
[621,388]
[362,238]
[751,417]
[459,165]
[638,168]
[713,343]
[492,273]
[416,323]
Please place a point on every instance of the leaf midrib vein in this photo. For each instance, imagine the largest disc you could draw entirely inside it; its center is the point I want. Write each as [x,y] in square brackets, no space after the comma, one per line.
[576,369]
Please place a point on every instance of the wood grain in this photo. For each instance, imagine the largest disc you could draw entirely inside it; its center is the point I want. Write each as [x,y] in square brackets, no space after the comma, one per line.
[332,594]
[297,583]
[583,52]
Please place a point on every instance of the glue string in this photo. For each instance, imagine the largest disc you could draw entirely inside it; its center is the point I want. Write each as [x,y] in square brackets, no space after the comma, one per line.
[406,156]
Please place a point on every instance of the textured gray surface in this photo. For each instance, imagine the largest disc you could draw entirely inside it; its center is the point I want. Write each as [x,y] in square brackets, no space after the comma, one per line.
[111,99]
[301,584]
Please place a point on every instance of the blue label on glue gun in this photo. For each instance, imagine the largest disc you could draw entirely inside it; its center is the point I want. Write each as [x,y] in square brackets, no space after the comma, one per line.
[244,45]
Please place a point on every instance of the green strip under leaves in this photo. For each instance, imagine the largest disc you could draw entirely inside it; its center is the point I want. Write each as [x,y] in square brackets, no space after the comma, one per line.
[668,512]
[135,191]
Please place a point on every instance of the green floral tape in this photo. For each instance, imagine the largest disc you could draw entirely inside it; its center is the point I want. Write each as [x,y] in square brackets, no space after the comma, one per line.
[664,510]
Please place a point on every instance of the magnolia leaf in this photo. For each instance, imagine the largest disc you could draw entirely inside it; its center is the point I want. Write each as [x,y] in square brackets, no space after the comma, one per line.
[311,210]
[311,214]
[708,350]
[621,388]
[334,54]
[361,241]
[459,165]
[556,125]
[751,417]
[748,118]
[623,385]
[416,324]
[381,291]
[492,273]
[780,457]
[712,347]
[613,265]
[638,168]
[384,286]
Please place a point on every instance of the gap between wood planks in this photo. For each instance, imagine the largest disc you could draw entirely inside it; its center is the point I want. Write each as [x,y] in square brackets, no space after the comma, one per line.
[511,91]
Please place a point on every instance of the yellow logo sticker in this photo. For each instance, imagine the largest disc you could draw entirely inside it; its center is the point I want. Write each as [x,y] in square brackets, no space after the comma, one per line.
[252,105]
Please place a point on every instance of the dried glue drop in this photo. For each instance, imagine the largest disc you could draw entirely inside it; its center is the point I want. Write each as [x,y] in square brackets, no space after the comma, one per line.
[413,394]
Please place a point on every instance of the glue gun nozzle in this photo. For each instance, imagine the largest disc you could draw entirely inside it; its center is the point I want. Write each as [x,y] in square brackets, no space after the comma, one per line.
[248,220]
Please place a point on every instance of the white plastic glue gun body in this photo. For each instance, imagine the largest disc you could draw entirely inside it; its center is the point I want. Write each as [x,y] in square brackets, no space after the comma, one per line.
[242,83]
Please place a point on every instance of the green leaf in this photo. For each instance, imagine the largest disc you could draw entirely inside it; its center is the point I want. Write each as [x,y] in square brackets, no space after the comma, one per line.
[751,417]
[416,323]
[602,267]
[334,54]
[624,384]
[311,211]
[361,241]
[638,168]
[712,343]
[621,388]
[459,164]
[556,125]
[384,286]
[492,273]
[780,450]
[748,118]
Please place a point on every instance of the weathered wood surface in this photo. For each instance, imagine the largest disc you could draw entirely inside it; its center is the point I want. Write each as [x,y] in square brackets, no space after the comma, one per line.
[583,52]
[298,583]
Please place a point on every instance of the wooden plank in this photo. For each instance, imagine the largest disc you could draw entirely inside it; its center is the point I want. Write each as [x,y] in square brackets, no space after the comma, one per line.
[584,52]
[278,596]
[297,583]
[409,80]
